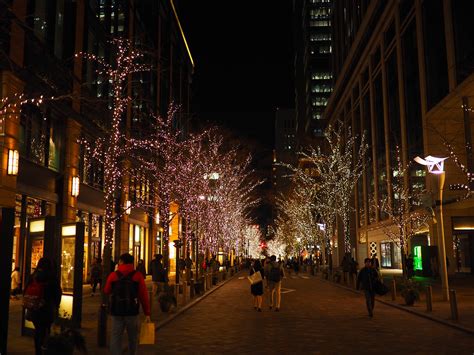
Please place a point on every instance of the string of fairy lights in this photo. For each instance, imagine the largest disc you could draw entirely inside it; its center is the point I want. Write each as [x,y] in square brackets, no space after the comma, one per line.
[323,187]
[173,164]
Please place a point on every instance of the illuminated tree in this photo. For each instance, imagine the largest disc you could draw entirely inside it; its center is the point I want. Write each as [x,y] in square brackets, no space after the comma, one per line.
[113,149]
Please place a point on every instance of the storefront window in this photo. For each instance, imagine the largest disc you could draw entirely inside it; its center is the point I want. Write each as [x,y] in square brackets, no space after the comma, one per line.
[55,145]
[67,264]
[386,251]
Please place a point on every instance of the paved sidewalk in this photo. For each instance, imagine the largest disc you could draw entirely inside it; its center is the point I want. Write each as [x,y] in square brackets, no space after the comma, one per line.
[90,314]
[463,284]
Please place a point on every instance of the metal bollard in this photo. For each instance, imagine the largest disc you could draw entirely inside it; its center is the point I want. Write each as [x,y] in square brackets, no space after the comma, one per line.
[454,304]
[185,292]
[394,290]
[192,289]
[429,298]
[176,293]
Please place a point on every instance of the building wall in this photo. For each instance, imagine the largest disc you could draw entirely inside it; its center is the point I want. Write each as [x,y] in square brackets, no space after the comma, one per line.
[313,67]
[401,76]
[40,60]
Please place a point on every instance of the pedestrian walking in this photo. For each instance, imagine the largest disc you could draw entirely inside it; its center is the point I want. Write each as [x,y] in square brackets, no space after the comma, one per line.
[127,289]
[346,266]
[257,289]
[353,270]
[296,266]
[141,268]
[158,274]
[41,301]
[96,275]
[15,288]
[367,278]
[375,262]
[274,274]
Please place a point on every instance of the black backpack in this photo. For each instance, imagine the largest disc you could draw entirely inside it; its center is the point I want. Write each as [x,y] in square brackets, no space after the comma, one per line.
[274,275]
[124,296]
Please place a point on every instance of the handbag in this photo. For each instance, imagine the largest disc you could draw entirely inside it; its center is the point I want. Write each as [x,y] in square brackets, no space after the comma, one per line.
[255,278]
[380,288]
[147,333]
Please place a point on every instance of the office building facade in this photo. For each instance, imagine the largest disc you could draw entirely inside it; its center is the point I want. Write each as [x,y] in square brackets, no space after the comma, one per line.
[313,64]
[404,78]
[37,58]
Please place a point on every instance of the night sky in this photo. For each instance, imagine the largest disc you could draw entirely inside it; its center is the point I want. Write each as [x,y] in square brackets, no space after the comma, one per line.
[243,58]
[244,62]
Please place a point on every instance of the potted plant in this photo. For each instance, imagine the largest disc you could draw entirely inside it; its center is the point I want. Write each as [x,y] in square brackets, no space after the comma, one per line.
[65,343]
[410,291]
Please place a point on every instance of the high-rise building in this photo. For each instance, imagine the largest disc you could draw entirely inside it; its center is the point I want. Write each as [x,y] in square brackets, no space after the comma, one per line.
[313,68]
[285,151]
[404,78]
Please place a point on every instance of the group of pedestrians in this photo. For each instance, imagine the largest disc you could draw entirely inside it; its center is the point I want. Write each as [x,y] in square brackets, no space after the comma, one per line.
[272,273]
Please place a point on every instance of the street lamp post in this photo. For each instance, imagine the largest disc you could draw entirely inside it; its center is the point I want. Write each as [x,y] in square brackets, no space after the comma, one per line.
[436,166]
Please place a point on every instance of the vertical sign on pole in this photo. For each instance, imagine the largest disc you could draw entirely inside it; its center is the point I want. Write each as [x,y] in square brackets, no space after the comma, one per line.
[40,242]
[71,266]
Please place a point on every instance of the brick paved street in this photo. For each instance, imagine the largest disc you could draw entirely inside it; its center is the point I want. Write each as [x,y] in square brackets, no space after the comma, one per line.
[316,318]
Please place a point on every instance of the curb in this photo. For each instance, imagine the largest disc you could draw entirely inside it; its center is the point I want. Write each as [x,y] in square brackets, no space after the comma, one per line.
[417,313]
[192,303]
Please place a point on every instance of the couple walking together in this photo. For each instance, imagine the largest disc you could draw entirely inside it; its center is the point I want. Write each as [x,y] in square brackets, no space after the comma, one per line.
[273,273]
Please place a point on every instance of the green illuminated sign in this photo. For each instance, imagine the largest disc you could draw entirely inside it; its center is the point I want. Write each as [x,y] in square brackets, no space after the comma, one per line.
[417,260]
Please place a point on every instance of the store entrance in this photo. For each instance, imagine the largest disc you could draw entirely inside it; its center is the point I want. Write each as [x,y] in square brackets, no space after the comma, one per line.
[464,252]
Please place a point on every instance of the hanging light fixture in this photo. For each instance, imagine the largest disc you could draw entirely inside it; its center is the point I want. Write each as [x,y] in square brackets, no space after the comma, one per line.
[75,186]
[13,158]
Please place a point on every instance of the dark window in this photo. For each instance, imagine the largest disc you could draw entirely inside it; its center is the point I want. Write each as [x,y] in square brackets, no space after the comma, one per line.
[367,128]
[33,134]
[365,78]
[355,91]
[376,58]
[463,37]
[380,140]
[393,105]
[405,8]
[435,52]
[41,137]
[414,124]
[389,35]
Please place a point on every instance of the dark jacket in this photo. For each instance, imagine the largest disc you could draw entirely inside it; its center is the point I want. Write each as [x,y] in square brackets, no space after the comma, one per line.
[125,269]
[158,272]
[367,278]
[52,296]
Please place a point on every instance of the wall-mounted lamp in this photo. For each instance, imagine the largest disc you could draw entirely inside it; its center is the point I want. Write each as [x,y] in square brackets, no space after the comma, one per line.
[13,158]
[75,186]
[157,218]
[128,207]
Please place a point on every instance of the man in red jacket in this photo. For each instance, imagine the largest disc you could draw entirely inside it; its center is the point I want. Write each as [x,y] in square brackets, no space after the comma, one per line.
[127,289]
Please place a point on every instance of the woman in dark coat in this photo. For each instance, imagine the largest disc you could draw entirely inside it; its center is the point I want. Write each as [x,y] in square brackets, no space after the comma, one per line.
[44,316]
[257,289]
